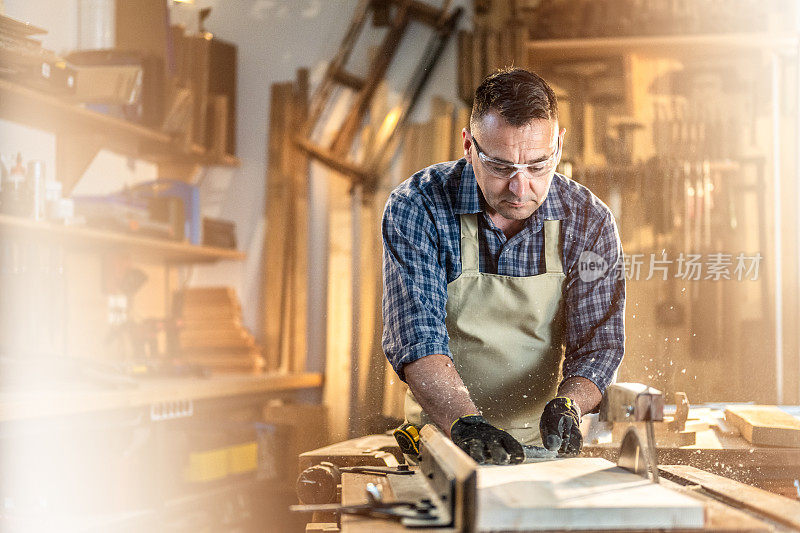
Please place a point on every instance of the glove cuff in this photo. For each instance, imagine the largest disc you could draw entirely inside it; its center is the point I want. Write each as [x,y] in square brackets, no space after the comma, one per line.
[570,404]
[469,420]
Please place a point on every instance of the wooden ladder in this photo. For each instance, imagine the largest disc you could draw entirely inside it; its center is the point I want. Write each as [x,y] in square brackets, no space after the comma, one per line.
[397,14]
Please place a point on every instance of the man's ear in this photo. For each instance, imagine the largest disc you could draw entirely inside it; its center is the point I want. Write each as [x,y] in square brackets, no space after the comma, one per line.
[467,141]
[561,134]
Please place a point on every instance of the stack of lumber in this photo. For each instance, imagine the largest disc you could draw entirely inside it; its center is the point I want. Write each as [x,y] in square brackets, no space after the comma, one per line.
[765,425]
[212,334]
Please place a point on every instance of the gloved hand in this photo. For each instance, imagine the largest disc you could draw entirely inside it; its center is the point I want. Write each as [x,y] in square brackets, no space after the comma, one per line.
[484,442]
[560,426]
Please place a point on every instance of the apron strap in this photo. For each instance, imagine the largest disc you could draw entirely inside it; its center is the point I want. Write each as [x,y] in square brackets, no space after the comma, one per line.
[469,242]
[552,245]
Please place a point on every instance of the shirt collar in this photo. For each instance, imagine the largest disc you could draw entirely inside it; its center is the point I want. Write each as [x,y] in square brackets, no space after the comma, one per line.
[468,199]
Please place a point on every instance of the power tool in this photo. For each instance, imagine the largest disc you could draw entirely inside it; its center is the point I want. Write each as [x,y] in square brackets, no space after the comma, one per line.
[407,437]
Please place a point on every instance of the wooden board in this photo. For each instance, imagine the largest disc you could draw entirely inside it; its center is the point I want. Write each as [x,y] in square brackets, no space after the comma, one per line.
[765,425]
[578,494]
[772,506]
[284,258]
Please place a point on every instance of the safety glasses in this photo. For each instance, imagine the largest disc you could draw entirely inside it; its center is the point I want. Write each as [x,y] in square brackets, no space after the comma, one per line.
[507,170]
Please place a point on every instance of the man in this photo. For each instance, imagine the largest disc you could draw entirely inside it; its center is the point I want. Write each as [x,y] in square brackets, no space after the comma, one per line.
[483,283]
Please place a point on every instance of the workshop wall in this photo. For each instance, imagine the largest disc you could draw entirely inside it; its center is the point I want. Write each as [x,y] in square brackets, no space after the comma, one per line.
[274,39]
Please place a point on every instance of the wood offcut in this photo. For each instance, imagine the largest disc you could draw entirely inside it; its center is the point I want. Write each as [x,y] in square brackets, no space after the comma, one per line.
[765,425]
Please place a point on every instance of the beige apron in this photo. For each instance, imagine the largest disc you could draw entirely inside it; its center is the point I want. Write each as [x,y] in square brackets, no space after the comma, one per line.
[506,336]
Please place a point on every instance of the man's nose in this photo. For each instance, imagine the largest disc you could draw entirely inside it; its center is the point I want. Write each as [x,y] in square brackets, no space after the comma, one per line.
[519,184]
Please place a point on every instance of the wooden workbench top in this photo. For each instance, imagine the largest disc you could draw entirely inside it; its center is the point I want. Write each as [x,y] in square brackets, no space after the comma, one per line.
[19,405]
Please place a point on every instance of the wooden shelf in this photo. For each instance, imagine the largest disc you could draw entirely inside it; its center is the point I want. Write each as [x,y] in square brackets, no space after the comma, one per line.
[102,241]
[702,45]
[82,130]
[34,404]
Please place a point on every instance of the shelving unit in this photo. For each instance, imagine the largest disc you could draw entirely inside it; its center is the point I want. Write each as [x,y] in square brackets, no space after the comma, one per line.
[694,45]
[81,133]
[150,247]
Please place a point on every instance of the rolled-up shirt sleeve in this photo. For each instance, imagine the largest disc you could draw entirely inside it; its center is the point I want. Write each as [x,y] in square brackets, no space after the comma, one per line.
[595,309]
[414,285]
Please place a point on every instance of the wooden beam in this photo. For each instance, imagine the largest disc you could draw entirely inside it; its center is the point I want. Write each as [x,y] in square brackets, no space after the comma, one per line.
[298,173]
[336,163]
[349,79]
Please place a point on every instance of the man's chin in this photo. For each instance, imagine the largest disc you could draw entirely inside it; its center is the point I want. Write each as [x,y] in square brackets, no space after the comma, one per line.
[512,212]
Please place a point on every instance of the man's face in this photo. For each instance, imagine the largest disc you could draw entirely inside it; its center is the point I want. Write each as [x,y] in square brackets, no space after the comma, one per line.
[518,197]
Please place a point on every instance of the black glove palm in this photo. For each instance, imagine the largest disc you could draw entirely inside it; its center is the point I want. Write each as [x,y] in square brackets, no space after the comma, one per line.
[485,443]
[560,426]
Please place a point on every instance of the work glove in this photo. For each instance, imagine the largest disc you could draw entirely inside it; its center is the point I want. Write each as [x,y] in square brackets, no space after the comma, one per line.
[484,442]
[560,426]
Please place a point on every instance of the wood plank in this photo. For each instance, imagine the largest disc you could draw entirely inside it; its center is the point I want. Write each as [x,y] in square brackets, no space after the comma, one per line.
[578,494]
[479,68]
[199,46]
[298,172]
[277,231]
[425,145]
[442,118]
[765,425]
[773,506]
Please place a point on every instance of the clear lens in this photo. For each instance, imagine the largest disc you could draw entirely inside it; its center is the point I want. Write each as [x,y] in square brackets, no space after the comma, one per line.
[507,171]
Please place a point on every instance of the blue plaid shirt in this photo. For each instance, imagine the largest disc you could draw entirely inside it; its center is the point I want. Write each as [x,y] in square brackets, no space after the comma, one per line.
[421,255]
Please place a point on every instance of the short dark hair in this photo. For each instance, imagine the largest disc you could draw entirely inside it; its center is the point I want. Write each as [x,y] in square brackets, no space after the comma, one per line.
[518,95]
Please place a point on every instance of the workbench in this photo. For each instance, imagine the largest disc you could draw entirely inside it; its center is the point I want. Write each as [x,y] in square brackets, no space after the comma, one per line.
[730,505]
